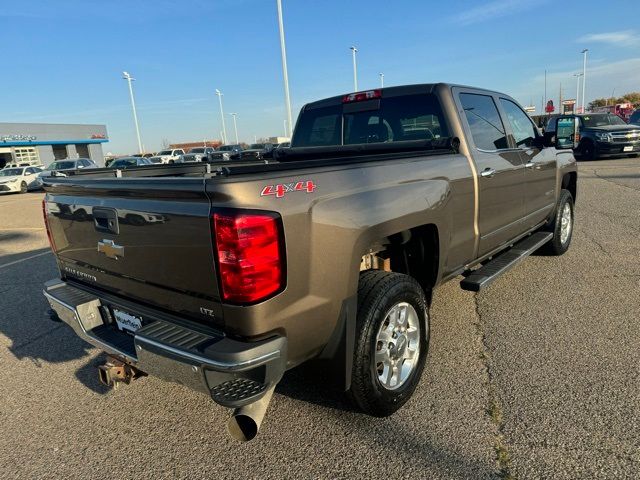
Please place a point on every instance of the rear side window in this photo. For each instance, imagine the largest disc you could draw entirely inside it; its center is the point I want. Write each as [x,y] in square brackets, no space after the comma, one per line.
[523,129]
[392,119]
[484,121]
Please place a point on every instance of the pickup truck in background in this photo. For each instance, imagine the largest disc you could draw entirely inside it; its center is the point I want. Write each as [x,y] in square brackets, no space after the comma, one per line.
[329,252]
[167,156]
[196,154]
[257,151]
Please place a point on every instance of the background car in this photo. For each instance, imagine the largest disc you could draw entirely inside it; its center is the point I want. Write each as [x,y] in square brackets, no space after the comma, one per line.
[196,154]
[601,134]
[59,166]
[226,153]
[20,179]
[169,156]
[635,118]
[128,162]
[257,151]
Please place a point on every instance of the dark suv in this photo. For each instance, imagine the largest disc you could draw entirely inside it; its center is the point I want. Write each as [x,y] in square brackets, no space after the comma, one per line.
[635,118]
[600,135]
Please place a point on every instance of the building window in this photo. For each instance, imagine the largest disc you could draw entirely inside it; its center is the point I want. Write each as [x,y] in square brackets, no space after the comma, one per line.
[27,154]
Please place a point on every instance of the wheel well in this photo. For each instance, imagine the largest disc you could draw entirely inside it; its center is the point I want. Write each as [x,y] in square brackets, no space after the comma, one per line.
[569,182]
[414,252]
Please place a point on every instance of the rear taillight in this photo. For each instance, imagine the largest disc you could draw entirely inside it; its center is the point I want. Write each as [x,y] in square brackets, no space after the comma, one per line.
[250,255]
[361,96]
[46,224]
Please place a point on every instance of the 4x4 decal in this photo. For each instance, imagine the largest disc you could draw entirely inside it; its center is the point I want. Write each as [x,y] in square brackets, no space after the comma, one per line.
[283,188]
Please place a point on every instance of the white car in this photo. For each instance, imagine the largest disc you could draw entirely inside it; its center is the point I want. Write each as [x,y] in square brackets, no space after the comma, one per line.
[168,156]
[20,179]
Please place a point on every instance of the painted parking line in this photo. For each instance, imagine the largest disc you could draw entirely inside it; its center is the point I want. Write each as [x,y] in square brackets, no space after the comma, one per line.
[24,259]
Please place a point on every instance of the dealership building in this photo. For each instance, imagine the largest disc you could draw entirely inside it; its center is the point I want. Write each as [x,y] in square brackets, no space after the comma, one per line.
[44,143]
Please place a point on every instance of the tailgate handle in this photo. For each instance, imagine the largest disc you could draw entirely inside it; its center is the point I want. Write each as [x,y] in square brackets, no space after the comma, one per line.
[106,220]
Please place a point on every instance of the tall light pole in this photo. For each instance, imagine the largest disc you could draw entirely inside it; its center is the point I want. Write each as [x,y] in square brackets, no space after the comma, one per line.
[224,127]
[285,129]
[354,50]
[130,79]
[235,126]
[584,76]
[381,79]
[577,75]
[285,75]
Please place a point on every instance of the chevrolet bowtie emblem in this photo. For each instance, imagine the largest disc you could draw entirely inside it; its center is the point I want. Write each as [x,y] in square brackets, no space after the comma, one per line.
[110,249]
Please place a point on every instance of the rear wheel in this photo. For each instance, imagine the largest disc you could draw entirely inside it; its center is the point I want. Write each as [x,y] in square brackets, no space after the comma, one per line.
[23,187]
[392,339]
[561,225]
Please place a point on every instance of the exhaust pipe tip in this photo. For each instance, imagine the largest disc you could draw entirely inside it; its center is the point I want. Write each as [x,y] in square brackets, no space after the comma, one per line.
[245,421]
[242,427]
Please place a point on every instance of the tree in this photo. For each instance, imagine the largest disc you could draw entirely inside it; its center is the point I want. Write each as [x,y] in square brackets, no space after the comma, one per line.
[631,97]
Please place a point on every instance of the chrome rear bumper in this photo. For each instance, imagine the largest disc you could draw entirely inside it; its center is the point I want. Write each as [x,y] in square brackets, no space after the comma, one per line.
[234,373]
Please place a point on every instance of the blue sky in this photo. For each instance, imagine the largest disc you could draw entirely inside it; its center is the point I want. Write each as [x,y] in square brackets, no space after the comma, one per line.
[63,60]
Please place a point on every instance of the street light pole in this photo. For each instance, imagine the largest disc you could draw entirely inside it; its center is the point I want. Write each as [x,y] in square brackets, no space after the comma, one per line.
[285,75]
[584,76]
[130,79]
[354,50]
[577,75]
[381,79]
[235,126]
[224,127]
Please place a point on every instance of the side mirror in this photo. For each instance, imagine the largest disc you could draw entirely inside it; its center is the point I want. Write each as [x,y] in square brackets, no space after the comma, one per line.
[566,133]
[80,166]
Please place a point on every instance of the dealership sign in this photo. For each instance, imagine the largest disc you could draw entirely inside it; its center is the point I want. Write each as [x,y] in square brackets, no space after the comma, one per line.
[18,138]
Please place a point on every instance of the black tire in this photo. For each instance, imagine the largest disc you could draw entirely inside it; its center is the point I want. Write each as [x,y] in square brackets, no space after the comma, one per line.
[23,187]
[556,246]
[587,150]
[378,292]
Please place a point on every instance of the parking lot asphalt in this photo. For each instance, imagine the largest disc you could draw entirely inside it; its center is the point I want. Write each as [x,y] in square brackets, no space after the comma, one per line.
[536,377]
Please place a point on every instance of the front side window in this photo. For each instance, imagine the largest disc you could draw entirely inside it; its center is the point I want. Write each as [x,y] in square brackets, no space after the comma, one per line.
[484,121]
[523,129]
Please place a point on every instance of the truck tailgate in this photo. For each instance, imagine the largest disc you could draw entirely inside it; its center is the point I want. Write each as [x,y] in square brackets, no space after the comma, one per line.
[147,239]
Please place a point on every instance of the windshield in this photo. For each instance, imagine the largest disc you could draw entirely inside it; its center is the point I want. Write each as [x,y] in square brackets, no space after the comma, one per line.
[226,148]
[256,146]
[602,120]
[66,165]
[196,150]
[393,119]
[11,172]
[165,152]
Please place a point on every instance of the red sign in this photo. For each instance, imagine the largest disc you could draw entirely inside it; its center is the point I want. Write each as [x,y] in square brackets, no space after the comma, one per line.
[98,135]
[550,108]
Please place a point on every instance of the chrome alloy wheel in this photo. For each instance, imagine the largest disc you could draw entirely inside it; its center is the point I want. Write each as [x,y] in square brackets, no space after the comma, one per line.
[397,346]
[566,223]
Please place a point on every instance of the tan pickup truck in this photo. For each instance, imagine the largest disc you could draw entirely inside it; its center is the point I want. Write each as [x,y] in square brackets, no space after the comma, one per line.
[221,276]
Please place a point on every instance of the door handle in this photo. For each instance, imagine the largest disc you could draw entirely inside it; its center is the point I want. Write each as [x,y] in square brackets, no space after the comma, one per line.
[487,172]
[537,166]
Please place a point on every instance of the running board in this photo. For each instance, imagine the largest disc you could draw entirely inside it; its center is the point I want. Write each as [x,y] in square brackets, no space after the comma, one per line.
[504,262]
